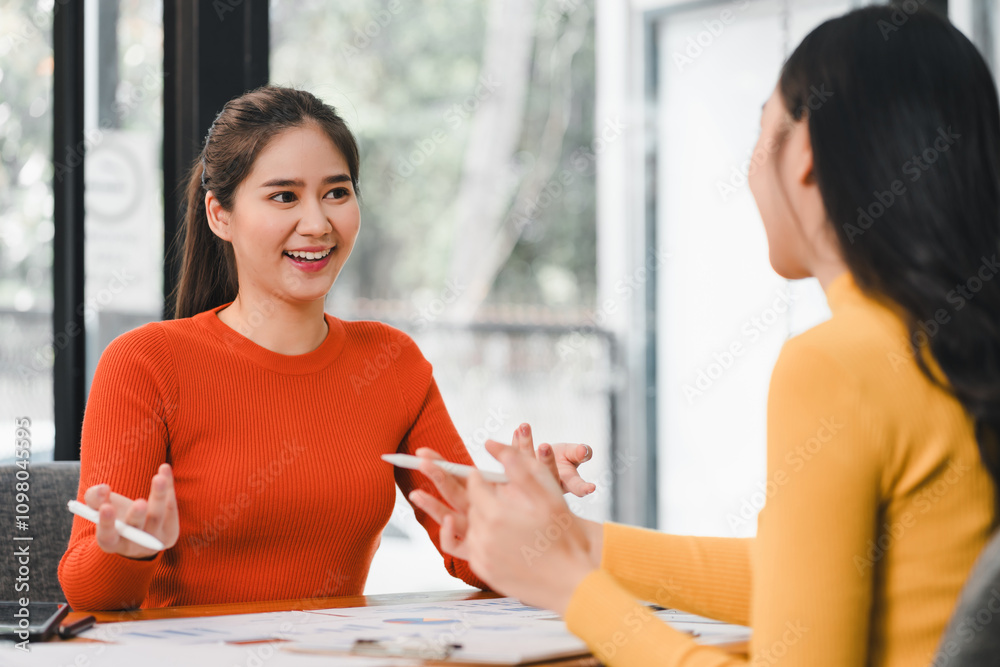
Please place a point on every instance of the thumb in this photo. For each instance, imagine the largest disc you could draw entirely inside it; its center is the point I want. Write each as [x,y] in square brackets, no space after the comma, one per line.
[581,454]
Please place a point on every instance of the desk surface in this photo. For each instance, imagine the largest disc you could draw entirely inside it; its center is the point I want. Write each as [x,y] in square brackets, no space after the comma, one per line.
[315,603]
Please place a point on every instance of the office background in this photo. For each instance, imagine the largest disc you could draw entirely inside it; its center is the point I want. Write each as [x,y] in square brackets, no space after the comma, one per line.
[554,204]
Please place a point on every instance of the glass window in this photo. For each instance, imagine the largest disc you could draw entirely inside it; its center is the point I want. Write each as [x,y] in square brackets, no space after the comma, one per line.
[476,123]
[723,313]
[980,21]
[26,228]
[123,123]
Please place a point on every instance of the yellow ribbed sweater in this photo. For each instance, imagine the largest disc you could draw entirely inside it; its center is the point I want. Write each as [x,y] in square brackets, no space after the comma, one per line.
[877,507]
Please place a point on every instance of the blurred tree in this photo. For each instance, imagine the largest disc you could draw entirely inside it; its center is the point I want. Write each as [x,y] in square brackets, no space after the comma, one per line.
[25,156]
[471,114]
[130,99]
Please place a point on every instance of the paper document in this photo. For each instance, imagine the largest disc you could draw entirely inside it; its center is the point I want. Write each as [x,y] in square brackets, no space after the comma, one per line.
[496,631]
[63,654]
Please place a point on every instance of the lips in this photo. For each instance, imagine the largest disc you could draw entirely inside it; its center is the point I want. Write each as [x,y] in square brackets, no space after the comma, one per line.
[310,260]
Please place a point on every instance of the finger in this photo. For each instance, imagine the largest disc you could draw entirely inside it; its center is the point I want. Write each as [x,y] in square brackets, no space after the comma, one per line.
[481,493]
[157,507]
[579,454]
[122,504]
[428,453]
[136,516]
[523,440]
[451,542]
[496,448]
[579,487]
[521,474]
[107,536]
[428,503]
[171,500]
[96,496]
[450,487]
[543,474]
[170,525]
[548,458]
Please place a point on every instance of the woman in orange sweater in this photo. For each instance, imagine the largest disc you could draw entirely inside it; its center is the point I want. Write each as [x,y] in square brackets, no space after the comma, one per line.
[882,180]
[255,422]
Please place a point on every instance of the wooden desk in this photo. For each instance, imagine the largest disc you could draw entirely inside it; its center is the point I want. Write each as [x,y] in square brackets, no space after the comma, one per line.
[317,603]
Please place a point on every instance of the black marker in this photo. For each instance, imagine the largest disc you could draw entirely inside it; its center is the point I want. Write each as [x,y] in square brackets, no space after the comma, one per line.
[68,630]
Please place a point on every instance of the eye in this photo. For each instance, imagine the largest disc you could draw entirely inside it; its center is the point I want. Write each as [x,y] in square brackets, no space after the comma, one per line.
[339,193]
[283,197]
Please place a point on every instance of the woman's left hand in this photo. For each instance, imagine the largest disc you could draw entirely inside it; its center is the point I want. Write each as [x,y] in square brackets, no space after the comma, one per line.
[562,459]
[521,537]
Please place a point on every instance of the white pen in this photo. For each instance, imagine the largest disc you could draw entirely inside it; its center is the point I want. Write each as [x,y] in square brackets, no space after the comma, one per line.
[130,533]
[457,469]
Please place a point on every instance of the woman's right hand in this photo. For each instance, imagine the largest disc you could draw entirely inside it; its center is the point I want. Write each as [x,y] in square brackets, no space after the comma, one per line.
[156,516]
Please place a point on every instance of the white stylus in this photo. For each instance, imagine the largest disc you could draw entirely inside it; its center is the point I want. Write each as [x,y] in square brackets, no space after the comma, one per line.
[457,469]
[130,533]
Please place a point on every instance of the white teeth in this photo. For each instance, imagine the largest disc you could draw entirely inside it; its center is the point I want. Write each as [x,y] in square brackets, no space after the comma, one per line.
[308,255]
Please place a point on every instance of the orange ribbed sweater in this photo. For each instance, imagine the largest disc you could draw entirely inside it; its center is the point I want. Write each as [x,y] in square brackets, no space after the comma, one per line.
[280,488]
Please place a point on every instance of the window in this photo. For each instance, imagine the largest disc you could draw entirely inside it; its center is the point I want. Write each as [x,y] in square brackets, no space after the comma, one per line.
[121,150]
[476,126]
[722,312]
[26,228]
[123,123]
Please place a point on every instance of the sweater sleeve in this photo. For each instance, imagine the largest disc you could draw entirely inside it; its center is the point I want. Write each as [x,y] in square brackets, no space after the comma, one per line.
[124,440]
[708,576]
[812,593]
[430,426]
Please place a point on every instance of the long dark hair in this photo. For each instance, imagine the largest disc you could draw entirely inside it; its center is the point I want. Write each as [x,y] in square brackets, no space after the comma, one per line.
[240,132]
[905,129]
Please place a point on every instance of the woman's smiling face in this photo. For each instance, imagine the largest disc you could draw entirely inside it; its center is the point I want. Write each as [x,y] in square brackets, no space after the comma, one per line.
[294,219]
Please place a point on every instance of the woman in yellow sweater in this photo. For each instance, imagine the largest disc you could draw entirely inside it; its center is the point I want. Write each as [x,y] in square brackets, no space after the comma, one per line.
[881,445]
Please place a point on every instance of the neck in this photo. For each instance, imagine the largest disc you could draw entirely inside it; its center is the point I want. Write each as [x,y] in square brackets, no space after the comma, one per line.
[827,274]
[825,262]
[277,325]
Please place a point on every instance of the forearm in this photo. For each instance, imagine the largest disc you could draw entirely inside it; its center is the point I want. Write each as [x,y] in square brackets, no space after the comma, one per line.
[710,576]
[624,633]
[94,580]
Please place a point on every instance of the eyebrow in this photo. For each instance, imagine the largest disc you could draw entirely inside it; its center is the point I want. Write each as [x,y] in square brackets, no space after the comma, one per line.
[298,183]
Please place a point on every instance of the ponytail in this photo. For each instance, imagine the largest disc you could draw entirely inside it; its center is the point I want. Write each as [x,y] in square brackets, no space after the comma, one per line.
[208,267]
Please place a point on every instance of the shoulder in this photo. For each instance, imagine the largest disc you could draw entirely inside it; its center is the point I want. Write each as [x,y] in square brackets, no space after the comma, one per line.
[862,345]
[842,366]
[378,338]
[855,367]
[141,359]
[159,342]
[377,347]
[147,342]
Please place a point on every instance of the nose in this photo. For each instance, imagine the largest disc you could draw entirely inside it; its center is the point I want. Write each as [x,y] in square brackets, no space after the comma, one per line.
[314,221]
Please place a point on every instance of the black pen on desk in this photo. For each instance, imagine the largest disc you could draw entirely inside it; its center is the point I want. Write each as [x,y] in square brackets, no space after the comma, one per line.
[69,630]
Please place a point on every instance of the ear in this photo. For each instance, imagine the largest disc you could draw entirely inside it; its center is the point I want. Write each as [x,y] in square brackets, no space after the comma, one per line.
[802,143]
[218,217]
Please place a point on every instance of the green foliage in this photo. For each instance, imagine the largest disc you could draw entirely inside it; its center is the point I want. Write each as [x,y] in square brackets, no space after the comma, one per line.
[395,83]
[25,155]
[395,70]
